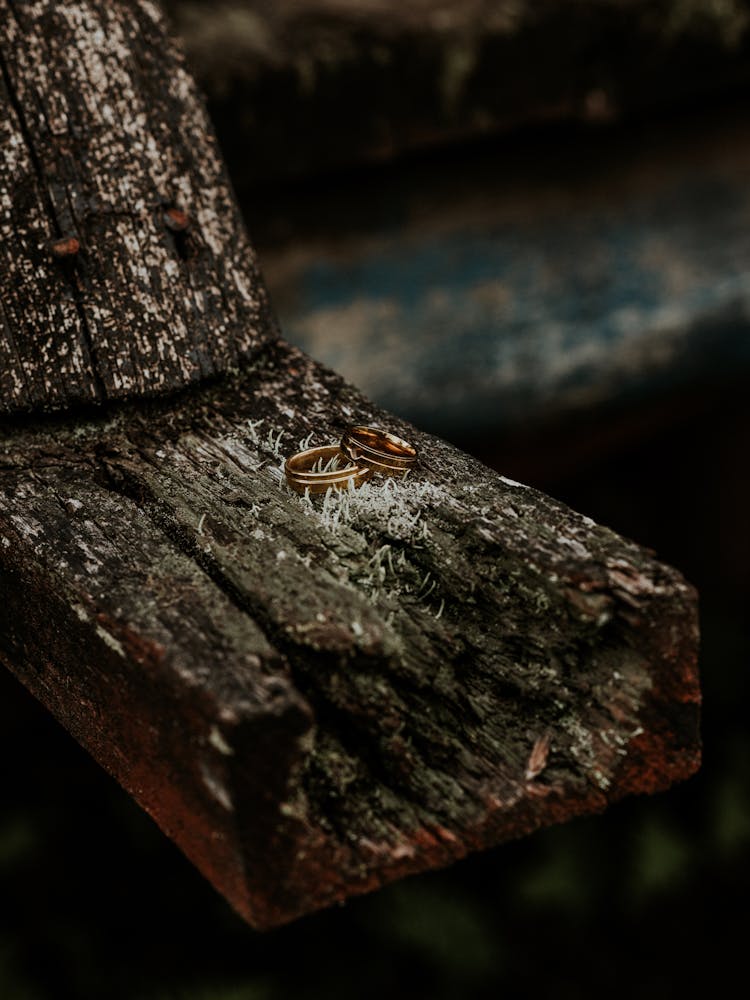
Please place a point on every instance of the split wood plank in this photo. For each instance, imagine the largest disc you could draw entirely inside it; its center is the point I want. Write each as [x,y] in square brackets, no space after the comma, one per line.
[316,696]
[311,697]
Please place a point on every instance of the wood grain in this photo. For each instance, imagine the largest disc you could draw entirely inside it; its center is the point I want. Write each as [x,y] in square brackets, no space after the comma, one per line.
[101,135]
[312,696]
[316,696]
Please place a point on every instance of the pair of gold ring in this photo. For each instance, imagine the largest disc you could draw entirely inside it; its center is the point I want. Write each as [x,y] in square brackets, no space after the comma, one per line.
[361,452]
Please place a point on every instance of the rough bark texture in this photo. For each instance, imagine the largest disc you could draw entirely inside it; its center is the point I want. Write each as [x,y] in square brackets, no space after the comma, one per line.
[310,84]
[310,696]
[313,697]
[125,267]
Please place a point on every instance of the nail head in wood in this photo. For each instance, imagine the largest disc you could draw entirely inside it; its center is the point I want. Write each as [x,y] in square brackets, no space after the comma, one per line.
[176,219]
[65,248]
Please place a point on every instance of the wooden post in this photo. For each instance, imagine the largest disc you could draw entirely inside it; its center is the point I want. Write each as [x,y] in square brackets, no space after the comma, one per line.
[311,696]
[125,266]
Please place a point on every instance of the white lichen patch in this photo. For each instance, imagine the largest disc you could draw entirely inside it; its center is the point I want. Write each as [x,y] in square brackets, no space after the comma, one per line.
[28,526]
[215,786]
[264,439]
[392,507]
[581,742]
[599,750]
[109,640]
[216,739]
[390,518]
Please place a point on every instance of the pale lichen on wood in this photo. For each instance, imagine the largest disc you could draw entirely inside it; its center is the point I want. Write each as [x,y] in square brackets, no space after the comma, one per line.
[459,659]
[101,132]
[311,695]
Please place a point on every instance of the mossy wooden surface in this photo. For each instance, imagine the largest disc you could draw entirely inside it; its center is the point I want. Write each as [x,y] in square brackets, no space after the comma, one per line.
[312,697]
[316,696]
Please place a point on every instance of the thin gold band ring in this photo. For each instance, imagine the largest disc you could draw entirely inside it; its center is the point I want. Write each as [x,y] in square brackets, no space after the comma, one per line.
[317,470]
[379,450]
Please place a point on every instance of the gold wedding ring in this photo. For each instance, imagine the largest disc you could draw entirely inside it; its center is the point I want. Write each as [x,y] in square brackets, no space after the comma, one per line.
[317,470]
[378,450]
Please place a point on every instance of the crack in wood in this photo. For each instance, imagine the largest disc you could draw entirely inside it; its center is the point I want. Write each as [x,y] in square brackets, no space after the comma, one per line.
[313,696]
[89,344]
[419,728]
[95,145]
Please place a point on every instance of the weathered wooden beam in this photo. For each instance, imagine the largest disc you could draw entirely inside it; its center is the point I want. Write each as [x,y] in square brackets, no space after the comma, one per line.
[314,697]
[125,267]
[310,696]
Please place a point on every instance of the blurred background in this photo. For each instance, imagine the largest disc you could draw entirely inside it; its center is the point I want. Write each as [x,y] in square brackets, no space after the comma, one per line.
[526,227]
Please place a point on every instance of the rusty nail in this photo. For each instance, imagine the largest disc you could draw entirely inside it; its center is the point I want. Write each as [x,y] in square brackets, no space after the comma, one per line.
[64,248]
[176,219]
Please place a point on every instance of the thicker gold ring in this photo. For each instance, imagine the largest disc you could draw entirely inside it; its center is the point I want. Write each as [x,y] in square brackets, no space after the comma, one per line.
[379,450]
[315,470]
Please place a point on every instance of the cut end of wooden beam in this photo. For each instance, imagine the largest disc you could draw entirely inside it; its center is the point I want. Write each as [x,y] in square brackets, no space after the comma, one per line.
[314,696]
[633,730]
